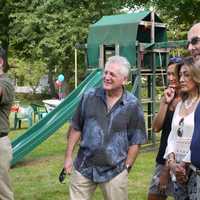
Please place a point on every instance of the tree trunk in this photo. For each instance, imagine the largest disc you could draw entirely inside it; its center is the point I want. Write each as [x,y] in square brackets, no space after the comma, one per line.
[52,90]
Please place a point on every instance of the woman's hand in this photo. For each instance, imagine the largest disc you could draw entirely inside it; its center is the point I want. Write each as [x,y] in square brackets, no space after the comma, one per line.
[164,180]
[181,173]
[169,95]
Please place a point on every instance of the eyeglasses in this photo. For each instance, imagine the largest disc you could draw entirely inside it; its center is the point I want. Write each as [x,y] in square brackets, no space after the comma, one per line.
[180,128]
[62,175]
[194,41]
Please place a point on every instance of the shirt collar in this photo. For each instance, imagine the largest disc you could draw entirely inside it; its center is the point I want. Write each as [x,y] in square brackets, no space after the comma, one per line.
[100,92]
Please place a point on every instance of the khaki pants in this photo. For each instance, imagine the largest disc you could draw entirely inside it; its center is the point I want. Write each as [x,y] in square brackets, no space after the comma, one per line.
[5,158]
[82,188]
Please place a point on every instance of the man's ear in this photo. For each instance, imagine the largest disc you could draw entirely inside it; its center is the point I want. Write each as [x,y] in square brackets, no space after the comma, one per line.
[125,81]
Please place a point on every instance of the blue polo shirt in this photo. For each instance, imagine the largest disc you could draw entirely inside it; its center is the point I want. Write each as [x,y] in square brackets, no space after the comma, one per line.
[195,144]
[106,134]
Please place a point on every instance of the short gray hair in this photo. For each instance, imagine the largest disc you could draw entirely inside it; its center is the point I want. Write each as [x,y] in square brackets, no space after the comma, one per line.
[194,30]
[122,62]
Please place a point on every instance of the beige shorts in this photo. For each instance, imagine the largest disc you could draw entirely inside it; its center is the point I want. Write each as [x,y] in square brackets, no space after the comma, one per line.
[82,188]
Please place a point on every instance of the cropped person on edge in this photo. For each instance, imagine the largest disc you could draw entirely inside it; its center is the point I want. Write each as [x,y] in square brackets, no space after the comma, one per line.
[109,123]
[195,148]
[178,146]
[194,49]
[161,185]
[6,99]
[194,41]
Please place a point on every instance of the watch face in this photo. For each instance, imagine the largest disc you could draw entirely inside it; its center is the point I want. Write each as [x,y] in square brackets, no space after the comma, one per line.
[128,167]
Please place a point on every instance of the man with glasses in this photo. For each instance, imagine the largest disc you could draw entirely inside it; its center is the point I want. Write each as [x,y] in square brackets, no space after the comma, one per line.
[6,99]
[194,41]
[194,49]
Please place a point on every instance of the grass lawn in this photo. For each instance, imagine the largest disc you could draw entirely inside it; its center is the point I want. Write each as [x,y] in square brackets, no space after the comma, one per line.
[36,177]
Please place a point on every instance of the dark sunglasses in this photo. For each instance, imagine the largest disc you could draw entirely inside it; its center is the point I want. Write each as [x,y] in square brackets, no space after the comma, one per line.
[180,128]
[193,41]
[62,175]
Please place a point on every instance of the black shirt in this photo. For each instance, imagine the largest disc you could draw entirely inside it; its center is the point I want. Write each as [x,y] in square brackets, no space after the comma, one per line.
[164,136]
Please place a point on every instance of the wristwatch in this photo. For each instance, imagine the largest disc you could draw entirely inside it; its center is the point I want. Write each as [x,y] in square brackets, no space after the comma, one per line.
[128,167]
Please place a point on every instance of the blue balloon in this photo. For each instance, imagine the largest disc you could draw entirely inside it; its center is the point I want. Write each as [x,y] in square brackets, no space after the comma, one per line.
[61,77]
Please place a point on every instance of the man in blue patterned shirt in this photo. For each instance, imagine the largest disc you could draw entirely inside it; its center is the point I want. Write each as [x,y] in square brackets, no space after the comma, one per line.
[109,123]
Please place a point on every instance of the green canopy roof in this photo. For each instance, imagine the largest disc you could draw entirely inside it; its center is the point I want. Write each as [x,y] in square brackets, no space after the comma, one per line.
[112,20]
[121,30]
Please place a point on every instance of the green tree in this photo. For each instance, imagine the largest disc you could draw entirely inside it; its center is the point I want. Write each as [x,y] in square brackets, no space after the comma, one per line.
[48,30]
[27,73]
[4,23]
[178,15]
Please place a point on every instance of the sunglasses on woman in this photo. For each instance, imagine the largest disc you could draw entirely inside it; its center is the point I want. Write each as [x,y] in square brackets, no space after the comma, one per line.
[175,60]
[180,128]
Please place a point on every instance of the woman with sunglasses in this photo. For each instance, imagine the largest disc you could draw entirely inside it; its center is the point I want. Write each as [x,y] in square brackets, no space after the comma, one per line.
[178,147]
[161,186]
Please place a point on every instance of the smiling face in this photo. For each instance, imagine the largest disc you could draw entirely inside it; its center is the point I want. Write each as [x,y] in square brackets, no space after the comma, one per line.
[113,79]
[187,84]
[194,41]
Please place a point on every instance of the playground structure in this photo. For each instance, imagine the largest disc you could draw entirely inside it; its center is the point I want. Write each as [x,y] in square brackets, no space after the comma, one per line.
[142,39]
[131,36]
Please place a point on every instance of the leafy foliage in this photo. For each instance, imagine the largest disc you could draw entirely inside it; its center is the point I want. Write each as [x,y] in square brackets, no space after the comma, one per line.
[178,15]
[4,22]
[48,30]
[27,73]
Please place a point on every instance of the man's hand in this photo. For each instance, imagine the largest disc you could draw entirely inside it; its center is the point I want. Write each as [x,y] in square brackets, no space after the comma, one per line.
[68,165]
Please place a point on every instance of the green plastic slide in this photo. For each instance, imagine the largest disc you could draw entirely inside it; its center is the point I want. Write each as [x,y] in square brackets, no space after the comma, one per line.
[53,120]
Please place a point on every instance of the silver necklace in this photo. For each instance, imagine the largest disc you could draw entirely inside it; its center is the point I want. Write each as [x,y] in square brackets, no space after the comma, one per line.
[188,104]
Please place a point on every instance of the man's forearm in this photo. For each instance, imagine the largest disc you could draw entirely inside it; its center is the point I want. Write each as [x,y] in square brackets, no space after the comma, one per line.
[73,138]
[132,154]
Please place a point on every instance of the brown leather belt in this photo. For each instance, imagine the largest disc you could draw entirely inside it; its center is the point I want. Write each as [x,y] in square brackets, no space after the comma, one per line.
[3,134]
